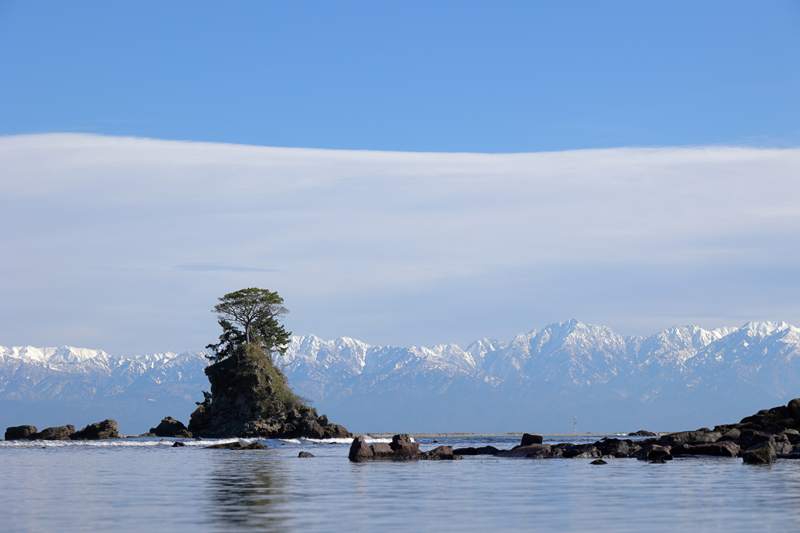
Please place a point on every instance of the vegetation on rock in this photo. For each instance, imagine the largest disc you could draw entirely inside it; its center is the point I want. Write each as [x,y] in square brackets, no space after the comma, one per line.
[250,396]
[257,312]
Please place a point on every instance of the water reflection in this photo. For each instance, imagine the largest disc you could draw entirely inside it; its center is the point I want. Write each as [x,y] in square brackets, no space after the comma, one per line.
[246,490]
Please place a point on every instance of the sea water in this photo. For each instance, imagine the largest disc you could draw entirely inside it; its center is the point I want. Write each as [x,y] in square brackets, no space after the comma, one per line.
[148,485]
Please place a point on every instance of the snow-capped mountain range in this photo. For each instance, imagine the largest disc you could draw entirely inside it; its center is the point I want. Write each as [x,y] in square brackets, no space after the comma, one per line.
[680,378]
[66,385]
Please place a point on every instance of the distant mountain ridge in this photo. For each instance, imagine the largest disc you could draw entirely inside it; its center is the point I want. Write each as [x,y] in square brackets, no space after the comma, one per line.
[55,386]
[682,377]
[677,378]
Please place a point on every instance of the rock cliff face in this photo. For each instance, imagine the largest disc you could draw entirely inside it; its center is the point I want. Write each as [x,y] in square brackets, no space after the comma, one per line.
[250,398]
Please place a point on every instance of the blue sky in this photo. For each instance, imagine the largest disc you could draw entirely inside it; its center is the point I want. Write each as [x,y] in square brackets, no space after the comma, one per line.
[411,76]
[407,173]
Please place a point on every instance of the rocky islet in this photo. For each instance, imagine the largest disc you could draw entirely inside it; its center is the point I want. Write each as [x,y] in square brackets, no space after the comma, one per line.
[251,398]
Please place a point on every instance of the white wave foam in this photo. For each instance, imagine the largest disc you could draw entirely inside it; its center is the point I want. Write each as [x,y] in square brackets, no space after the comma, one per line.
[327,441]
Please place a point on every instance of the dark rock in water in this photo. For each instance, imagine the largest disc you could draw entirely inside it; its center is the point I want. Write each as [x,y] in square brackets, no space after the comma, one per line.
[55,433]
[238,446]
[694,437]
[531,450]
[440,453]
[20,432]
[654,453]
[402,445]
[642,433]
[586,452]
[580,451]
[762,453]
[226,446]
[716,449]
[250,398]
[381,449]
[466,451]
[178,445]
[198,438]
[483,450]
[359,451]
[614,447]
[107,429]
[305,454]
[529,438]
[169,427]
[401,449]
[598,462]
[790,455]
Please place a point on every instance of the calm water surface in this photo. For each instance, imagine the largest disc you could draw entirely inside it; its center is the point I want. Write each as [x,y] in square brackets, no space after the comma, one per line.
[146,484]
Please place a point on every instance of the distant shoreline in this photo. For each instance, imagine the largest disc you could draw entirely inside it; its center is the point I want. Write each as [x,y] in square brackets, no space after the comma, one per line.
[445,435]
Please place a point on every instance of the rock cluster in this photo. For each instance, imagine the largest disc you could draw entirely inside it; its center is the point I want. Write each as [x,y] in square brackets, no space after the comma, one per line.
[402,448]
[758,439]
[107,429]
[250,398]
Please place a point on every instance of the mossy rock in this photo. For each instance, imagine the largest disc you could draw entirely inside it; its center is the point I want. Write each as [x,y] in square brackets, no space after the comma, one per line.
[761,453]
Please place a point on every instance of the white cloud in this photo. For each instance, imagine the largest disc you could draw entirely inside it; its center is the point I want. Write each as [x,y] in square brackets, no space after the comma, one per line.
[135,238]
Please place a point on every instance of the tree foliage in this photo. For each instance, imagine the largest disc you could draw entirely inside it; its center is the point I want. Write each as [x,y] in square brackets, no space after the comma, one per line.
[256,312]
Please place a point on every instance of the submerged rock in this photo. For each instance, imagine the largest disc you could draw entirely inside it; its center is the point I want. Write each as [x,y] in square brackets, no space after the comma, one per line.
[305,454]
[238,446]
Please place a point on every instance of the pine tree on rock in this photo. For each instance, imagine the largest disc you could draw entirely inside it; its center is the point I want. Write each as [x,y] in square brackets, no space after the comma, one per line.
[256,311]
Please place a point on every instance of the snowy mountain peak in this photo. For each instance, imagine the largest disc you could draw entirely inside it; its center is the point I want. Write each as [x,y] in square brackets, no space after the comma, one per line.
[51,355]
[764,329]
